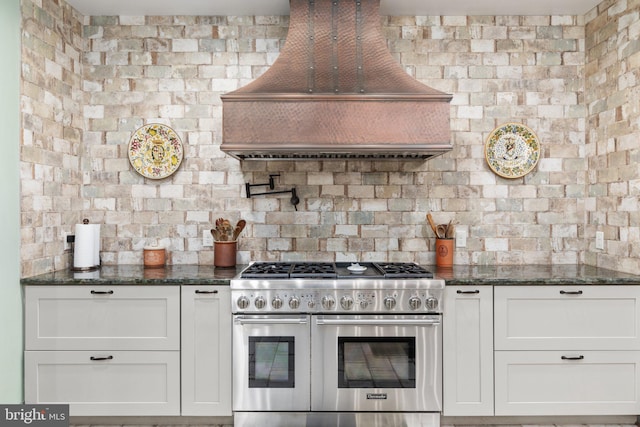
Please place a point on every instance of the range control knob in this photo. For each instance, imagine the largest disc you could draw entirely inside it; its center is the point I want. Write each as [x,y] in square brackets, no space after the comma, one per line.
[414,303]
[276,302]
[294,303]
[243,302]
[364,304]
[260,303]
[328,302]
[431,303]
[311,304]
[346,302]
[389,303]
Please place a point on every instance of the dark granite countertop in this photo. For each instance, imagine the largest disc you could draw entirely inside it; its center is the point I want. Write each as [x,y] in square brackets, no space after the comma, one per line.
[138,275]
[534,275]
[458,275]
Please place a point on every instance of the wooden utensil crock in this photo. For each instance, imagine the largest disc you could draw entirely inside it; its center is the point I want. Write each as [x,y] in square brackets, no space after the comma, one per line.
[444,253]
[224,254]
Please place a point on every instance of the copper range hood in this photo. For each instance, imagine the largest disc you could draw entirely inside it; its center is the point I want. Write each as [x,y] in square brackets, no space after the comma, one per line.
[335,91]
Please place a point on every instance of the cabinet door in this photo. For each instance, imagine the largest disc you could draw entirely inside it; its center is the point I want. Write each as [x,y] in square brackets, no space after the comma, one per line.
[567,383]
[206,350]
[468,350]
[567,318]
[102,318]
[105,383]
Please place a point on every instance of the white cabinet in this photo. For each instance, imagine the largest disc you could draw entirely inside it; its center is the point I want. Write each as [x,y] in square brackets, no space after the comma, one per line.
[102,317]
[468,351]
[206,350]
[105,350]
[567,350]
[567,317]
[105,383]
[567,382]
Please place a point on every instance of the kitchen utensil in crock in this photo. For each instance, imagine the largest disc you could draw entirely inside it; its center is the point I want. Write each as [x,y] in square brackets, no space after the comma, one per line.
[432,223]
[239,227]
[223,230]
[451,230]
[441,231]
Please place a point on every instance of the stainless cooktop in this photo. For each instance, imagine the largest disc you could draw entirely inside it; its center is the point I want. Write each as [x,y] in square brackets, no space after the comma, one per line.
[327,287]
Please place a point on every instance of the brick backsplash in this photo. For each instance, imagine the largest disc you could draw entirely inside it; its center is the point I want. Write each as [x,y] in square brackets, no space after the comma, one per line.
[52,125]
[90,82]
[612,201]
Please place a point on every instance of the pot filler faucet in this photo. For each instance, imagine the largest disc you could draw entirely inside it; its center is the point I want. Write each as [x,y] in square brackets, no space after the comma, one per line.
[271,184]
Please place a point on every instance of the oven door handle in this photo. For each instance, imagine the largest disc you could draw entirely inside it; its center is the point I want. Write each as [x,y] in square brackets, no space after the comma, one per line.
[377,322]
[240,320]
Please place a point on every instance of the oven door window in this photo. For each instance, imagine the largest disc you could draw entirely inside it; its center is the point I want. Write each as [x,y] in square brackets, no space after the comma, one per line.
[271,362]
[376,362]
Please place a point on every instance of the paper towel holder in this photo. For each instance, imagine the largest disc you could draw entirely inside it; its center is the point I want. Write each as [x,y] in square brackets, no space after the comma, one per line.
[72,239]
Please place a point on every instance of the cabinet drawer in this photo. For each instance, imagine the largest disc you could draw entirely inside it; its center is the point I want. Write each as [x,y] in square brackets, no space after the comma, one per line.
[102,318]
[543,383]
[122,383]
[567,318]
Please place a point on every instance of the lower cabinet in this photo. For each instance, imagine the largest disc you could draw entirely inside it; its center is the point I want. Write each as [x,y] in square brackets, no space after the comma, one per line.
[206,351]
[567,350]
[166,350]
[468,351]
[104,350]
[541,350]
[567,382]
[129,350]
[106,382]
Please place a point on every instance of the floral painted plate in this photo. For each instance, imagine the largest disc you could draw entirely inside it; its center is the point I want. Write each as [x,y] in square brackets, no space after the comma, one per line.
[512,150]
[155,151]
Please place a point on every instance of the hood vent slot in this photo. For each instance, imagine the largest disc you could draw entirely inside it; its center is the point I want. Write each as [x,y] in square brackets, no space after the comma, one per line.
[335,92]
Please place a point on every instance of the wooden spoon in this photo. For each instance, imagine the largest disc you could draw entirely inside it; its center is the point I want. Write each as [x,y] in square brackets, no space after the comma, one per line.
[432,223]
[239,227]
[451,230]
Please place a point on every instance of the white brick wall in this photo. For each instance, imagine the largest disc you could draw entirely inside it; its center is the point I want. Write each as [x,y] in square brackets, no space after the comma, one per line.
[552,73]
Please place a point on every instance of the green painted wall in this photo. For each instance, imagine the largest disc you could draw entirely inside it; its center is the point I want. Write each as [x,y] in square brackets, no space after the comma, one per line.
[10,291]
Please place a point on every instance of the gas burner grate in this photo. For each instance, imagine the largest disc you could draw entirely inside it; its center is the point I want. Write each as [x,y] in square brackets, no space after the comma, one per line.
[404,270]
[330,270]
[272,270]
[314,270]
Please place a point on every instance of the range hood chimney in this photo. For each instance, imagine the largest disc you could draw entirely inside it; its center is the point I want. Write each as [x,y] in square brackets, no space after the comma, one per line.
[335,91]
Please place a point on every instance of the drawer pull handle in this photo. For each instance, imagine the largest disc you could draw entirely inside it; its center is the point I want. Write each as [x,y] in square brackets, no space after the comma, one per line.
[101,358]
[205,292]
[572,357]
[102,292]
[570,292]
[475,291]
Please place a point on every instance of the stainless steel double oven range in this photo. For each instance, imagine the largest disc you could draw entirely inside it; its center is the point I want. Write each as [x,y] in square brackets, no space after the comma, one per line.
[337,345]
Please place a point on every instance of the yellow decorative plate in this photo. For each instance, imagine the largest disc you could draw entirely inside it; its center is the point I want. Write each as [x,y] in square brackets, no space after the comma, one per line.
[155,151]
[512,150]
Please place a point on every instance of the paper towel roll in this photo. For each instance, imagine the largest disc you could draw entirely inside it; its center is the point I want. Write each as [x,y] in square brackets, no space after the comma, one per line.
[96,244]
[86,251]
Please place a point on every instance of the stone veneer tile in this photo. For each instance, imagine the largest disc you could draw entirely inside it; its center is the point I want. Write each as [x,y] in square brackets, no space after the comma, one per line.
[550,72]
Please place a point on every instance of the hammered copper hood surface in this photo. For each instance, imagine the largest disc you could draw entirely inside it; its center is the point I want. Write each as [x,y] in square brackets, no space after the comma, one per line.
[335,91]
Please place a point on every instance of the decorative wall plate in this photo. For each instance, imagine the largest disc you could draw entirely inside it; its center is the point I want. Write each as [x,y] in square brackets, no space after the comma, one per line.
[155,151]
[512,150]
